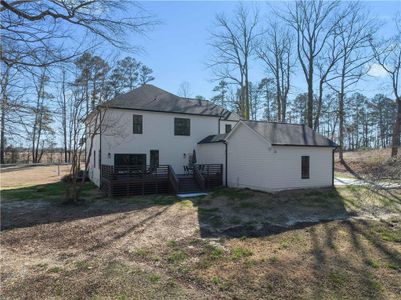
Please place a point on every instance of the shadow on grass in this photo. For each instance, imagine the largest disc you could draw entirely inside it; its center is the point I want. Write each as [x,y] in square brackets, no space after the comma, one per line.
[230,213]
[243,213]
[345,256]
[44,204]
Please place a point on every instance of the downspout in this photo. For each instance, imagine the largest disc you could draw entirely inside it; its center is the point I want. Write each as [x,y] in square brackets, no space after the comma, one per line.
[226,166]
[332,168]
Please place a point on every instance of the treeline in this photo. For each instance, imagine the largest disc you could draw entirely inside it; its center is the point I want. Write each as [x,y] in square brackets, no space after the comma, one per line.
[52,76]
[51,81]
[55,100]
[333,45]
[368,122]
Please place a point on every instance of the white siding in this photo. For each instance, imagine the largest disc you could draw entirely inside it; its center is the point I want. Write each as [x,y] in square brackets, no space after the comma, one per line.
[223,125]
[255,164]
[158,134]
[213,153]
[252,161]
[94,173]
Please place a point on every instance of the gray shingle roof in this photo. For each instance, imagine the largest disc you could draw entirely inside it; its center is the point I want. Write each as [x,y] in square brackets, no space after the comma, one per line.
[151,98]
[213,138]
[290,134]
[281,134]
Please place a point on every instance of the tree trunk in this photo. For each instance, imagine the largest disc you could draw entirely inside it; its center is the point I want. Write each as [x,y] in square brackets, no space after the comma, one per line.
[341,125]
[319,106]
[396,131]
[3,141]
[64,118]
[247,103]
[309,114]
[4,103]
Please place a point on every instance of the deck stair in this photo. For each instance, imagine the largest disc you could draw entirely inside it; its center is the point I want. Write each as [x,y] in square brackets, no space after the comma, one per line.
[187,184]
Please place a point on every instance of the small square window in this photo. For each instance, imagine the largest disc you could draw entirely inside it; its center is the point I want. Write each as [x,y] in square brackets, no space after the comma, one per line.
[182,126]
[137,124]
[305,167]
[228,128]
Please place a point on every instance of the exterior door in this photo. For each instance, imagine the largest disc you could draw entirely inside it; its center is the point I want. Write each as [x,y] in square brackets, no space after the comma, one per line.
[154,158]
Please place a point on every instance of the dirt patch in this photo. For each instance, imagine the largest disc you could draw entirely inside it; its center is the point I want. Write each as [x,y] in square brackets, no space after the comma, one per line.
[91,248]
[231,244]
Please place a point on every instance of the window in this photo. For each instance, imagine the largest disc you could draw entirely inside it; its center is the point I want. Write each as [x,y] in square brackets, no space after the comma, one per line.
[228,128]
[305,167]
[94,158]
[137,124]
[154,158]
[182,126]
[130,159]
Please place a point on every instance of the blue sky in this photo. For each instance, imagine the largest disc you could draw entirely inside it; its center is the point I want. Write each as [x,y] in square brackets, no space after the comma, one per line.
[177,49]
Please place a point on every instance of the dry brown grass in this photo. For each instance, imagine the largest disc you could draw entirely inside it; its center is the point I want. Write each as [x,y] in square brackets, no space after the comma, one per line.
[371,164]
[29,176]
[157,247]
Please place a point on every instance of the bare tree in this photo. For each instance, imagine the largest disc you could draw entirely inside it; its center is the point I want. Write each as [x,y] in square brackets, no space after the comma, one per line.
[185,90]
[234,43]
[35,33]
[388,56]
[276,53]
[14,109]
[4,108]
[42,117]
[314,23]
[266,89]
[354,33]
[325,65]
[64,106]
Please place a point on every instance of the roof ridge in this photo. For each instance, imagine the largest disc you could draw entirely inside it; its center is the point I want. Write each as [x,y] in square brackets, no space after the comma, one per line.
[152,98]
[275,122]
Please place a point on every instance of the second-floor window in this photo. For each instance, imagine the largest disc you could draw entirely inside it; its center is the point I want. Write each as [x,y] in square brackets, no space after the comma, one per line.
[182,126]
[228,128]
[137,124]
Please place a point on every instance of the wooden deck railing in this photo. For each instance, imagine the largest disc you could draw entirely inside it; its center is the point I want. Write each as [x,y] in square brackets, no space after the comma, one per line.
[173,180]
[141,180]
[211,173]
[199,178]
[135,180]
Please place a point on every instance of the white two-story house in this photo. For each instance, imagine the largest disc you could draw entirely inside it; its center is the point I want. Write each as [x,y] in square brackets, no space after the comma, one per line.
[152,127]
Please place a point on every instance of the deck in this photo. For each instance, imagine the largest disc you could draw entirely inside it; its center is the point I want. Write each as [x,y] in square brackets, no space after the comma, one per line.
[143,180]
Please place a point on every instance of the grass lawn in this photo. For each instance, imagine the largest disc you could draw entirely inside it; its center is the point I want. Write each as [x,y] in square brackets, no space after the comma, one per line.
[342,242]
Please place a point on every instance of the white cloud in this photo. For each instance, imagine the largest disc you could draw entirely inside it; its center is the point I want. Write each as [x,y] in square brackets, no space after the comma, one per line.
[377,70]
